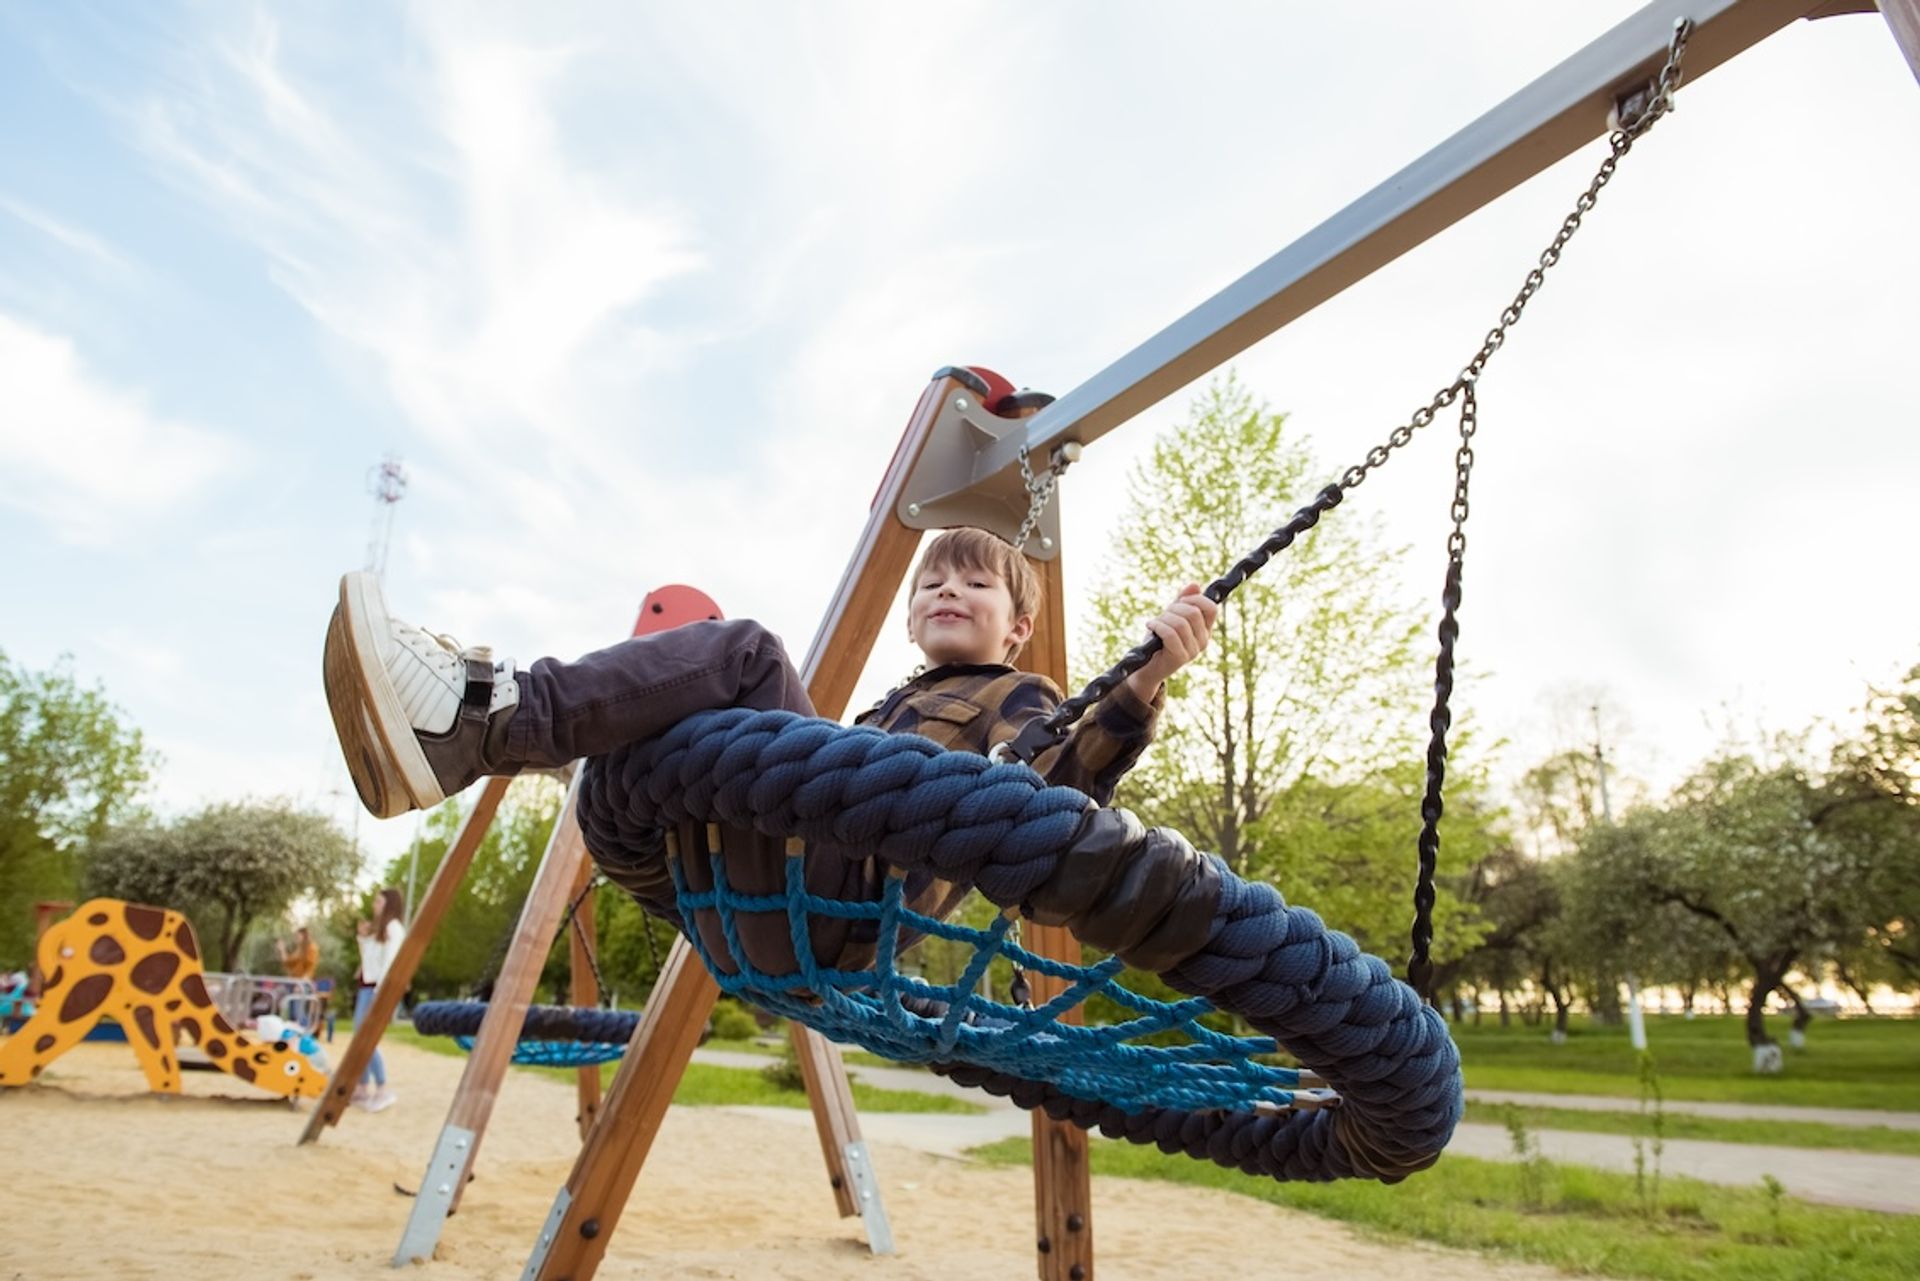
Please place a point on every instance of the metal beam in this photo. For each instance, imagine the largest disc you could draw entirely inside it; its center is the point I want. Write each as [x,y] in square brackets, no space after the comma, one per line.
[1548,120]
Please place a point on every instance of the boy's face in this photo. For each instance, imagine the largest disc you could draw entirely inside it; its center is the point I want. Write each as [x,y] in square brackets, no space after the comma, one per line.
[964,616]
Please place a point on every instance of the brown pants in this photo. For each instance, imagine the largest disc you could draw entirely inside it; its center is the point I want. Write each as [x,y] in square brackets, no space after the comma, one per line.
[642,687]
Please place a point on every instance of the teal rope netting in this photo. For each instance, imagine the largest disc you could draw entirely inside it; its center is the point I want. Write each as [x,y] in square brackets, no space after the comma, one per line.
[1147,897]
[908,1020]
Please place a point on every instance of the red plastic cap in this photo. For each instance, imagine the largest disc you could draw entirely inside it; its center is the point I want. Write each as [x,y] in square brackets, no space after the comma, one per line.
[674,605]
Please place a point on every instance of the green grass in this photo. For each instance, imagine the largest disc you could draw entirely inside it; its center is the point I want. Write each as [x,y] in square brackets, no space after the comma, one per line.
[1849,1063]
[708,1086]
[766,1049]
[1681,1125]
[1584,1221]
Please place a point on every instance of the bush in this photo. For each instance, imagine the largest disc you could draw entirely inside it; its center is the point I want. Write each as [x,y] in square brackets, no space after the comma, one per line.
[731,1022]
[784,1072]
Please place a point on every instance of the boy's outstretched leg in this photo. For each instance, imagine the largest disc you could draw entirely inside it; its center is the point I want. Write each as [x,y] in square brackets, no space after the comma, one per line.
[419,718]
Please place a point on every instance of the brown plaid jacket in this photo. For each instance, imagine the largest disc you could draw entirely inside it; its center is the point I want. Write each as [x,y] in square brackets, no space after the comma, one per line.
[971,707]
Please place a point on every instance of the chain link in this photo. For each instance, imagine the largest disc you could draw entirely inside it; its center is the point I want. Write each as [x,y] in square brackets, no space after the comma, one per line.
[1659,101]
[1040,488]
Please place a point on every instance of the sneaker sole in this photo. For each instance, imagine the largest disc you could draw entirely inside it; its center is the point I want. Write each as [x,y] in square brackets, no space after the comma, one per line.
[380,790]
[389,769]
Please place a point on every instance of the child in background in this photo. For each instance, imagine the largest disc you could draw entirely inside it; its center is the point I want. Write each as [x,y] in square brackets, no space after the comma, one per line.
[379,940]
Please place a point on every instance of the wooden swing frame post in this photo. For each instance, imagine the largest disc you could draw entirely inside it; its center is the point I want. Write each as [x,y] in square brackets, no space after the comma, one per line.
[583,989]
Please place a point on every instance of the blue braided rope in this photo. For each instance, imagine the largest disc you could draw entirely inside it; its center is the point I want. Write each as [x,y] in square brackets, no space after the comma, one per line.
[1337,1010]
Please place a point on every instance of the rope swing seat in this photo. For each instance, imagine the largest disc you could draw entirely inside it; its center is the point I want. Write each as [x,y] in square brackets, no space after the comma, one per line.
[551,1036]
[671,818]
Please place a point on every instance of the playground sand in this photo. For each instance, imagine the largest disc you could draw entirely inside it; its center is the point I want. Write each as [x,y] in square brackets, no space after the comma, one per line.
[106,1181]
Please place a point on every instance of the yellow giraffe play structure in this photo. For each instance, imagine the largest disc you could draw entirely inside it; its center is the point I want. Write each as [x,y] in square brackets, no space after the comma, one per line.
[142,966]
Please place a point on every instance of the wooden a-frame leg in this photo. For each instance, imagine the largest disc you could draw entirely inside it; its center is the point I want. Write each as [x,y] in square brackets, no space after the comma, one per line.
[400,971]
[575,1235]
[446,1176]
[1062,1179]
[856,1190]
[582,988]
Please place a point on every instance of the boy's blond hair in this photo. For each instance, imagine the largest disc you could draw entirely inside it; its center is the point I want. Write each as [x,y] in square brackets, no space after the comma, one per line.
[977,549]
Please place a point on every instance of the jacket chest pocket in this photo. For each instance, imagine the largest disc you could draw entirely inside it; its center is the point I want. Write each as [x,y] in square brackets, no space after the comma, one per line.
[945,719]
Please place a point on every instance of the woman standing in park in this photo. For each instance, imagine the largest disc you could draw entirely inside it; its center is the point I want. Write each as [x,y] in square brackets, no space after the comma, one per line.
[379,941]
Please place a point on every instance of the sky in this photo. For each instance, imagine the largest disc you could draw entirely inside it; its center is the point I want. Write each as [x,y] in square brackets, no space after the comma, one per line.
[644,294]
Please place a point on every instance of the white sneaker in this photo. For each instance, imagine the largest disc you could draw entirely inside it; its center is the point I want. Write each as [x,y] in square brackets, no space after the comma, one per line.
[415,713]
[382,1099]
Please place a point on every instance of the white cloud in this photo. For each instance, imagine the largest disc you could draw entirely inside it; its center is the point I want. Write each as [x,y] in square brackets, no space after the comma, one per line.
[71,237]
[87,458]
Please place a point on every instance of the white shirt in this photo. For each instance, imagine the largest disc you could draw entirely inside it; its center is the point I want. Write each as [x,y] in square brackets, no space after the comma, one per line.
[376,954]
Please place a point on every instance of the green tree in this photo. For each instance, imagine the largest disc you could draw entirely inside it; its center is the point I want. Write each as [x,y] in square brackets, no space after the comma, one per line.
[1874,801]
[1291,747]
[70,766]
[226,867]
[1754,851]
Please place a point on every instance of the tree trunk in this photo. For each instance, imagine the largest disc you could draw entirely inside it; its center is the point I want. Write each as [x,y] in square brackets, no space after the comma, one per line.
[1562,1004]
[1766,1051]
[1854,987]
[1802,1016]
[1606,1001]
[1506,1015]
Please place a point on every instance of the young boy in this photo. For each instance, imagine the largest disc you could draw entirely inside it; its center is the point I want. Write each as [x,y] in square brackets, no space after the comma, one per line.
[419,718]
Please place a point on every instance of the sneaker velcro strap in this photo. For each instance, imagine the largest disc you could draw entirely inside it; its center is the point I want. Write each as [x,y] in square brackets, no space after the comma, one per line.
[478,700]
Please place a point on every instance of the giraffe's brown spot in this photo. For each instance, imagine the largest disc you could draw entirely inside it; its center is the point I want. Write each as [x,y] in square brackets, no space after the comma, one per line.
[106,952]
[193,1028]
[151,974]
[146,922]
[195,989]
[54,979]
[44,1044]
[242,1069]
[98,918]
[220,1024]
[143,1015]
[216,1048]
[174,1004]
[86,997]
[184,937]
[262,1057]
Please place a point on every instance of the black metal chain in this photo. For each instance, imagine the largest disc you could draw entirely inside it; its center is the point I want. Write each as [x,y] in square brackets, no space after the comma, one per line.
[586,944]
[1638,114]
[1432,805]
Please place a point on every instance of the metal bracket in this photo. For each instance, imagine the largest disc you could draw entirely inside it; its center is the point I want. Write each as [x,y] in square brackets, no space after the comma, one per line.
[435,1198]
[945,488]
[548,1231]
[866,1194]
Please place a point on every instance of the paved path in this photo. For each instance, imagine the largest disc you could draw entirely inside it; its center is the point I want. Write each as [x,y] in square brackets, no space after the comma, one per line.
[1731,1111]
[1864,1180]
[1868,1181]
